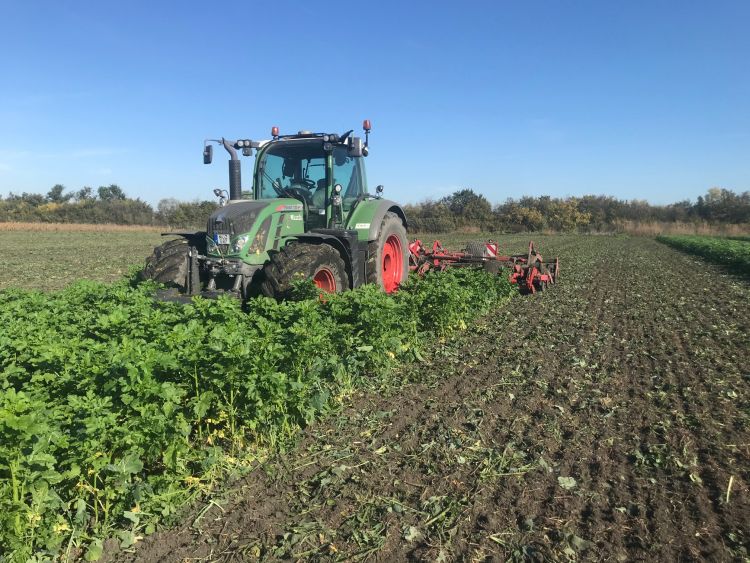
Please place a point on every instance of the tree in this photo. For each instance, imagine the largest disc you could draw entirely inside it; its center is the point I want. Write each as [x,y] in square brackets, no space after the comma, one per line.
[430,217]
[167,206]
[469,207]
[85,193]
[55,195]
[166,210]
[113,192]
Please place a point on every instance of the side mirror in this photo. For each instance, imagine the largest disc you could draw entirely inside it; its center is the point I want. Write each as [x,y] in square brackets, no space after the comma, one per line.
[217,192]
[208,154]
[355,146]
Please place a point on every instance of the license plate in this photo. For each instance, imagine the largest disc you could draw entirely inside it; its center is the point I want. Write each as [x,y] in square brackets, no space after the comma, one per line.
[221,239]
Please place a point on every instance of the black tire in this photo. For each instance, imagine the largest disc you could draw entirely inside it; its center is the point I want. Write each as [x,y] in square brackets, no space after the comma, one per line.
[168,264]
[391,226]
[299,260]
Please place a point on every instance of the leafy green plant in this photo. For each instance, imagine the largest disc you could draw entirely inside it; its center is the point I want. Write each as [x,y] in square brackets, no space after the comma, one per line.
[729,252]
[115,410]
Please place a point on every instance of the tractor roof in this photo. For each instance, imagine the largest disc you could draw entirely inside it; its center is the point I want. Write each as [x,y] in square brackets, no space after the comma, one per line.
[325,137]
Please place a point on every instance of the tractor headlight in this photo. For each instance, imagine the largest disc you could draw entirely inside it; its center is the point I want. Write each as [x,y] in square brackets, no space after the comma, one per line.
[239,243]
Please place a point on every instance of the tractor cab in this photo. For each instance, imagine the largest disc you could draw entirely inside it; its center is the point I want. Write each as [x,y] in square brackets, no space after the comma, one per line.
[328,179]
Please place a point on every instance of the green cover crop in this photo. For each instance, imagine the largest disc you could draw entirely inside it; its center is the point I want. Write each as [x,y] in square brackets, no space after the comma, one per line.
[729,252]
[115,409]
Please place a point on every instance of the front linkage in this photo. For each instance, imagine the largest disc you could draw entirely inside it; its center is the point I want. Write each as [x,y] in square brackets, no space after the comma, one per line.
[530,272]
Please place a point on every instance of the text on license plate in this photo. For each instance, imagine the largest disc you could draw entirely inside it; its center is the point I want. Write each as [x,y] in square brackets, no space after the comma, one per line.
[221,239]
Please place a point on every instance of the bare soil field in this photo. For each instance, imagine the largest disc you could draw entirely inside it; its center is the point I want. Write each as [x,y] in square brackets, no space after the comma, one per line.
[605,419]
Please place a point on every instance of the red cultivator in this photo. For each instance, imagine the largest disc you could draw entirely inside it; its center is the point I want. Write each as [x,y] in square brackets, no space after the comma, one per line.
[529,271]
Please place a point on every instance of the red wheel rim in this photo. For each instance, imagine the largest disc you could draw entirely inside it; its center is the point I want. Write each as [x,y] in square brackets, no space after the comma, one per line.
[392,263]
[324,280]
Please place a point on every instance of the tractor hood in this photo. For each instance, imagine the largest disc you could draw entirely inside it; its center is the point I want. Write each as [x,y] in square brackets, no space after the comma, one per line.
[235,218]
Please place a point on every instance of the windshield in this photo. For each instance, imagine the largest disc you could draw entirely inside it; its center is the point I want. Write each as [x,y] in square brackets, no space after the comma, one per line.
[289,169]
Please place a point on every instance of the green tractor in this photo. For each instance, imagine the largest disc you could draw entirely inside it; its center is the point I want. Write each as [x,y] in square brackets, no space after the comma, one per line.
[310,217]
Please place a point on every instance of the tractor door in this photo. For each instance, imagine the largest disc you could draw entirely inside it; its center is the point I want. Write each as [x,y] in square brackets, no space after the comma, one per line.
[313,174]
[297,172]
[349,171]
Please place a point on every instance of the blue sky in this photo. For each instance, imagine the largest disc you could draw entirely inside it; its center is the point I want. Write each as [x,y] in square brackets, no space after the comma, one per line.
[647,100]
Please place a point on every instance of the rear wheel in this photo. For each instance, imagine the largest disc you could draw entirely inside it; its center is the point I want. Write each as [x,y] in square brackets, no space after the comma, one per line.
[169,264]
[320,263]
[388,255]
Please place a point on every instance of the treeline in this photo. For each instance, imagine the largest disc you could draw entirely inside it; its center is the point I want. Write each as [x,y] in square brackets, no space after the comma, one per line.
[462,210]
[468,210]
[107,204]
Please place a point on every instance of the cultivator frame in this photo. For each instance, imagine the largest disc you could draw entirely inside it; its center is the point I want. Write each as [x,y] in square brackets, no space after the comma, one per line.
[530,272]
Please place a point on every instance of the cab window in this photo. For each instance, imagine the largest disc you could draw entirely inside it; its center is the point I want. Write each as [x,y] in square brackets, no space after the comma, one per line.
[295,170]
[347,171]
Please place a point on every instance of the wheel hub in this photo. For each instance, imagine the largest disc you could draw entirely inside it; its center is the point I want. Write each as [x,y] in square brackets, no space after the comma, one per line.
[392,266]
[325,281]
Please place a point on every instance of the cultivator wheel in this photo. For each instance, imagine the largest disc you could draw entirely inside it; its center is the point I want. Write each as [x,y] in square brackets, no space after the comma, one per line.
[476,249]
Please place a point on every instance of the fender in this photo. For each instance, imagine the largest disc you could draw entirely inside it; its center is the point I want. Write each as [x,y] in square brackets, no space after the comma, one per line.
[385,206]
[194,238]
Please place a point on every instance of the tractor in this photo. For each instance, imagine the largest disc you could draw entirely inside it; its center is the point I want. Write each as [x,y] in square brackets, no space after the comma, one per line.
[310,217]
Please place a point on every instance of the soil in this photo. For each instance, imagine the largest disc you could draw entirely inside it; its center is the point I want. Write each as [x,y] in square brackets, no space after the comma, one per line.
[605,419]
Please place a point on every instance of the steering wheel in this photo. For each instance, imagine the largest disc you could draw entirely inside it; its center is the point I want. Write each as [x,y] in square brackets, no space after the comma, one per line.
[306,182]
[299,190]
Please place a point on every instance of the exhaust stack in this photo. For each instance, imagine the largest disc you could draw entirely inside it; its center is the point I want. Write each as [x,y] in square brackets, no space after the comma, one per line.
[235,172]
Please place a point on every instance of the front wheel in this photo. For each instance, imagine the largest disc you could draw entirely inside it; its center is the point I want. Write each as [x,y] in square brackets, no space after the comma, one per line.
[388,255]
[169,264]
[320,263]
